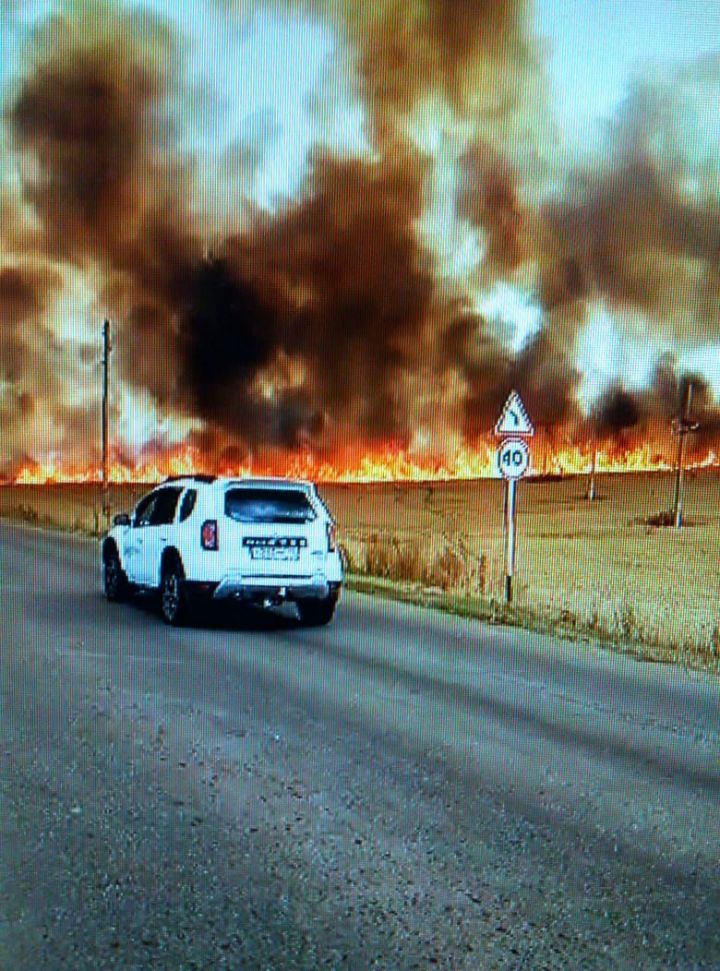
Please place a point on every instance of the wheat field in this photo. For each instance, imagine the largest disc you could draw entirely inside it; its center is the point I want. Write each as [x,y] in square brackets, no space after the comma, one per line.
[595,566]
[600,565]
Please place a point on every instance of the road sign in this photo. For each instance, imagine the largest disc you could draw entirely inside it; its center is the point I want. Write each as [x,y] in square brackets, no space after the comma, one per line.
[514,419]
[513,458]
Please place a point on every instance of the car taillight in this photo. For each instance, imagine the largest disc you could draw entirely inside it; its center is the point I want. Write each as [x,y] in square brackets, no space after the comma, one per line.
[209,535]
[331,537]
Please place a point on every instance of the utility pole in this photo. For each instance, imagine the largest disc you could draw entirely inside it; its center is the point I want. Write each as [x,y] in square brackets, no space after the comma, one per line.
[682,427]
[591,485]
[105,477]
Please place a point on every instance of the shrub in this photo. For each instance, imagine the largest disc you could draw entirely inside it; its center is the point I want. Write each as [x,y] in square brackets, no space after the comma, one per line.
[448,570]
[452,568]
[378,558]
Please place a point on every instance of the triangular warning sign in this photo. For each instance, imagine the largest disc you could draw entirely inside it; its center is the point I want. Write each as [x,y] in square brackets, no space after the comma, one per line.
[514,419]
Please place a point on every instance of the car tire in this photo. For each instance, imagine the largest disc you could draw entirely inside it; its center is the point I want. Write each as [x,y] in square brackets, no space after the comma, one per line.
[173,596]
[317,613]
[115,581]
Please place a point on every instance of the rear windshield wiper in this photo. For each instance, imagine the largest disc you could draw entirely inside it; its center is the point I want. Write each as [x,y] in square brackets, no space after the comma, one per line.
[290,518]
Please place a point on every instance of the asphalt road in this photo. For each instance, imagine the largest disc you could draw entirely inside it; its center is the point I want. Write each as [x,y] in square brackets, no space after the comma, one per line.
[399,790]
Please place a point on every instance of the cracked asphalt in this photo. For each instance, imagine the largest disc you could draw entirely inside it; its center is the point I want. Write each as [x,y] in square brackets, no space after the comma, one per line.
[401,789]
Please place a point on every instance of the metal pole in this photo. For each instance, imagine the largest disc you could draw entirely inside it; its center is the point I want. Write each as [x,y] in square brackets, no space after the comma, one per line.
[510,506]
[677,503]
[591,486]
[684,426]
[105,474]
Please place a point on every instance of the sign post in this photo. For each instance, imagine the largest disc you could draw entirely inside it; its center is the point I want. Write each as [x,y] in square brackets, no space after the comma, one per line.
[590,495]
[510,521]
[513,458]
[105,474]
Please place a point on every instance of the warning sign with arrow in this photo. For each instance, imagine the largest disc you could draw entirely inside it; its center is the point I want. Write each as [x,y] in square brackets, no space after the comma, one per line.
[514,419]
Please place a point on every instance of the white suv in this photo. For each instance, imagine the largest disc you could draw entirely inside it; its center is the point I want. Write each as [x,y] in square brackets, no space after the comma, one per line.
[198,539]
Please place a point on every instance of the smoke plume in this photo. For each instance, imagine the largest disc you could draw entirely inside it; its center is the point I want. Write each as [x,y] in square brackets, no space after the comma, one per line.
[322,314]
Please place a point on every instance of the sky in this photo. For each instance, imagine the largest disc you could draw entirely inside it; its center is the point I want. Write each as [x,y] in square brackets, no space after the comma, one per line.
[408,208]
[595,50]
[598,48]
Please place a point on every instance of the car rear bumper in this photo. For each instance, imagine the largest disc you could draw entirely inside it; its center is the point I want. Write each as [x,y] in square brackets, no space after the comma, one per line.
[271,588]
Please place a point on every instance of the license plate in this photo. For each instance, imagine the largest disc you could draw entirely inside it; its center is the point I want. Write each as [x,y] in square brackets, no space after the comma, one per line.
[274,553]
[274,547]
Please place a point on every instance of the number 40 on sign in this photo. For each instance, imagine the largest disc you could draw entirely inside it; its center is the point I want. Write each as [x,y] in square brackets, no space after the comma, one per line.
[513,458]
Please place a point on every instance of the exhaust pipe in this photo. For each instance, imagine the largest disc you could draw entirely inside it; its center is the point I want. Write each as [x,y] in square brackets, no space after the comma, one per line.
[275,601]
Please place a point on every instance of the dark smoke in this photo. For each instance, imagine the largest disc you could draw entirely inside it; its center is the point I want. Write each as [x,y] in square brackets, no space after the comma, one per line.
[672,389]
[627,417]
[22,294]
[644,227]
[448,47]
[488,197]
[226,337]
[631,232]
[308,325]
[547,377]
[617,411]
[338,280]
[83,115]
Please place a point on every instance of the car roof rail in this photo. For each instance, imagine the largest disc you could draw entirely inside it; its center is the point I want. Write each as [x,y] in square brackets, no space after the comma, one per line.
[197,477]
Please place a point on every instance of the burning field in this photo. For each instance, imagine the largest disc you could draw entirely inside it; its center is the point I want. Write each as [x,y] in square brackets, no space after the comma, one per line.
[326,233]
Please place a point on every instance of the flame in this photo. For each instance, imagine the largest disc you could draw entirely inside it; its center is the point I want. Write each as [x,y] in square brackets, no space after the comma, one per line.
[388,464]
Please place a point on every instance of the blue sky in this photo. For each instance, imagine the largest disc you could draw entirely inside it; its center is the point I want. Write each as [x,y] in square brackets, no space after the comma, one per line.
[596,48]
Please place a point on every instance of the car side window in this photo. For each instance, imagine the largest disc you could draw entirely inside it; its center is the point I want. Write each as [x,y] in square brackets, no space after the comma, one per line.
[163,512]
[144,510]
[188,504]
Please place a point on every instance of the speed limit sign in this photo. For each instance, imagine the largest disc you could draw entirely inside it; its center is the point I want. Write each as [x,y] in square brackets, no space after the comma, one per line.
[513,458]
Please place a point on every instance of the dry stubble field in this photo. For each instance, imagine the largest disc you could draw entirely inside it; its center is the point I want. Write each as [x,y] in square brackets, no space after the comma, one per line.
[593,567]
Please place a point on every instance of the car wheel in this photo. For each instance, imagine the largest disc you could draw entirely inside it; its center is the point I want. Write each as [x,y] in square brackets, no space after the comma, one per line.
[173,601]
[115,582]
[317,613]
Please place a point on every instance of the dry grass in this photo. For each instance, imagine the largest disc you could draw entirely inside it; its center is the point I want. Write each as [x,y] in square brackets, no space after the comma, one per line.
[445,567]
[600,567]
[605,568]
[70,507]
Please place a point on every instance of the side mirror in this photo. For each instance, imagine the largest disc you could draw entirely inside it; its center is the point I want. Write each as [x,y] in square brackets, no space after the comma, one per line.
[122,519]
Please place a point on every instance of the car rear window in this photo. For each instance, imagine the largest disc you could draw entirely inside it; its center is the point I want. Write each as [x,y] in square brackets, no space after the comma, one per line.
[248,505]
